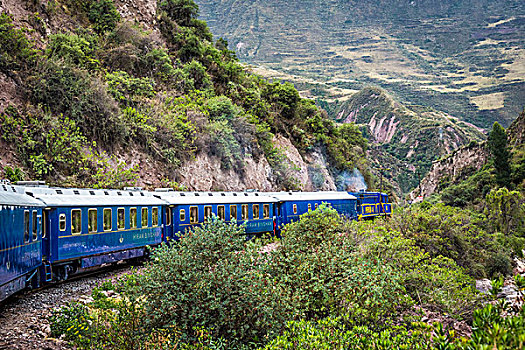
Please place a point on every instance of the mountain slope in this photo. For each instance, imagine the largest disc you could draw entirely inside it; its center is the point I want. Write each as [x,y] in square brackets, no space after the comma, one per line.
[90,98]
[466,58]
[467,175]
[404,139]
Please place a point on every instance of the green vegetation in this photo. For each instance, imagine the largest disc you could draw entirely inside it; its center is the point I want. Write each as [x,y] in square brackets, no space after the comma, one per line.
[498,183]
[497,145]
[17,52]
[458,57]
[114,87]
[327,284]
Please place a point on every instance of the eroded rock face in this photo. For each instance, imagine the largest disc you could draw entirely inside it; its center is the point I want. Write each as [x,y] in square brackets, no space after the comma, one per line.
[143,11]
[473,157]
[204,173]
[311,170]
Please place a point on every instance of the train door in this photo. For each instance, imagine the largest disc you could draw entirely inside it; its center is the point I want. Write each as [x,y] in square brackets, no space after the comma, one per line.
[46,233]
[168,223]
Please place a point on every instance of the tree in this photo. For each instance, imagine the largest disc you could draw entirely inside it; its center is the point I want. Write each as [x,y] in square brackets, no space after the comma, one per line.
[497,143]
[181,11]
[104,16]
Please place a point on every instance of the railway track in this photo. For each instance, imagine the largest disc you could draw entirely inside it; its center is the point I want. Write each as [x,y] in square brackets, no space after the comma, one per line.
[24,317]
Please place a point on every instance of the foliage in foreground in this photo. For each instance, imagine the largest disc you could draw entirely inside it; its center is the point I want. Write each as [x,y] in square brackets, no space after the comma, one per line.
[327,284]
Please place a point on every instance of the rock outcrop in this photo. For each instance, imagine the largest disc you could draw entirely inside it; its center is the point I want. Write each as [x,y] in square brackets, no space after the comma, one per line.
[452,167]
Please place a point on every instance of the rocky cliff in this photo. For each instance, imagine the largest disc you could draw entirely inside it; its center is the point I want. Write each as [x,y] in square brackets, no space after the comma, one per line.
[453,168]
[466,160]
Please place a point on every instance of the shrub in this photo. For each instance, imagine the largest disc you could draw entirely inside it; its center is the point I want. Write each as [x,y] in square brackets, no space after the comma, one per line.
[83,98]
[16,52]
[76,49]
[322,273]
[224,145]
[209,279]
[331,333]
[196,72]
[104,15]
[127,89]
[113,323]
[103,171]
[506,211]
[72,321]
[47,144]
[181,11]
[460,235]
[13,174]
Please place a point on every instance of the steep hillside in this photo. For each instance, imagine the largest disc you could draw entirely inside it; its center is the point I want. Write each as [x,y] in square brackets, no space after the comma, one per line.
[465,58]
[467,175]
[112,93]
[404,139]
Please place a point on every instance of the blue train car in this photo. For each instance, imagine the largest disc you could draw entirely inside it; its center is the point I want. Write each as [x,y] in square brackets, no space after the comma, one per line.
[293,204]
[20,240]
[190,209]
[85,228]
[372,204]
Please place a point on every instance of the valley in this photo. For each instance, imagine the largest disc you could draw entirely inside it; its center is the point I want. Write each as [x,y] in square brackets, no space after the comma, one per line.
[464,58]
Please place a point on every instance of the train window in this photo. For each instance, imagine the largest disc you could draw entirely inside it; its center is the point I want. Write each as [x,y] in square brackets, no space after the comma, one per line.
[244,212]
[76,221]
[121,219]
[35,226]
[194,215]
[155,216]
[182,215]
[133,218]
[309,207]
[168,216]
[266,211]
[26,226]
[233,212]
[255,209]
[92,220]
[108,220]
[144,218]
[62,222]
[221,212]
[295,208]
[207,212]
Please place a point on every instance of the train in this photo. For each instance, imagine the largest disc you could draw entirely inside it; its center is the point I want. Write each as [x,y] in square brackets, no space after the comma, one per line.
[49,234]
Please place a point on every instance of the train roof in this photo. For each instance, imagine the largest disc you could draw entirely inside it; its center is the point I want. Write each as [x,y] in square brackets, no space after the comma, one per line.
[72,197]
[306,196]
[174,198]
[15,195]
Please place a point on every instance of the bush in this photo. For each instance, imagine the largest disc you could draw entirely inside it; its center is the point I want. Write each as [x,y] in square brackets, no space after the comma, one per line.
[460,235]
[127,89]
[322,273]
[76,49]
[329,333]
[47,144]
[104,15]
[83,98]
[210,279]
[16,52]
[103,171]
[224,145]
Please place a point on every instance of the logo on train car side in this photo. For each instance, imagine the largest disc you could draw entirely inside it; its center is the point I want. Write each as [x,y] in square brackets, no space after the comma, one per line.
[144,235]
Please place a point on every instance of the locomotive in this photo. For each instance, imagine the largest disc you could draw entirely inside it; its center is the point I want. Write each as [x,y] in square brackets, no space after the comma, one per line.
[48,234]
